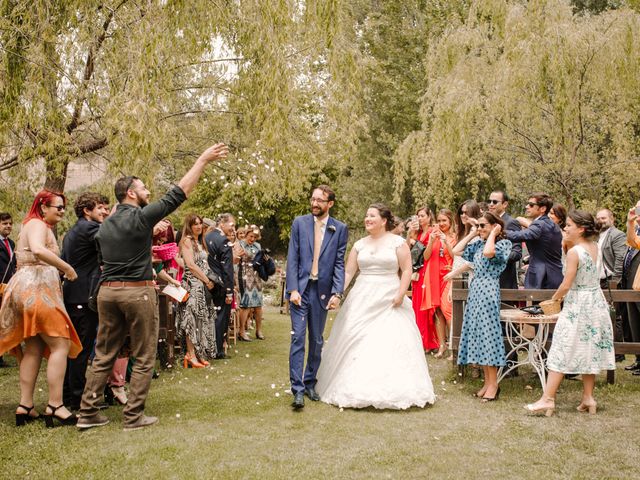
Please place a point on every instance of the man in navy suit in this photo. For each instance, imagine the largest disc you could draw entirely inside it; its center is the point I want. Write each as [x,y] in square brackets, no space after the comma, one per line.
[7,257]
[544,242]
[220,261]
[315,283]
[79,250]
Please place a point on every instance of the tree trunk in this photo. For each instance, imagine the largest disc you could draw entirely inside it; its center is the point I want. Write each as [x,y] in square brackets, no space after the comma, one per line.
[56,176]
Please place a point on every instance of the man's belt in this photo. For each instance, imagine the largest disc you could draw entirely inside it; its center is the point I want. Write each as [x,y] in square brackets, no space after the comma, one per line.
[118,283]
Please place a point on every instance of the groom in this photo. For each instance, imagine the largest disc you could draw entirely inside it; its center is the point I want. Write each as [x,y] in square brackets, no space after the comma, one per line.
[315,280]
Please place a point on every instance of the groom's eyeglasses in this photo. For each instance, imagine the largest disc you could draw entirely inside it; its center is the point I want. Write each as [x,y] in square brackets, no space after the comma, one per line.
[319,200]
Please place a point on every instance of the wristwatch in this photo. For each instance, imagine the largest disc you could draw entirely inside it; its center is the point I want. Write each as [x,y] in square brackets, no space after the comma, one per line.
[338,295]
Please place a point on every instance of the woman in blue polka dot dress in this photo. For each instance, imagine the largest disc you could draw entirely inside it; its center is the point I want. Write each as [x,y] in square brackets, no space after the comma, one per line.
[481,339]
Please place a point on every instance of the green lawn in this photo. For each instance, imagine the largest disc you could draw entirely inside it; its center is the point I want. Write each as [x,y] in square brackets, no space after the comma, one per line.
[233,420]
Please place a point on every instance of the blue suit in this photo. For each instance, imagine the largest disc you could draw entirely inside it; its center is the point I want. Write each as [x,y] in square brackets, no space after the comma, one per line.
[312,312]
[544,242]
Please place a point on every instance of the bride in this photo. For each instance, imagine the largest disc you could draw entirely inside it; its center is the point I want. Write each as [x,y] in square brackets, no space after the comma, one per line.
[374,356]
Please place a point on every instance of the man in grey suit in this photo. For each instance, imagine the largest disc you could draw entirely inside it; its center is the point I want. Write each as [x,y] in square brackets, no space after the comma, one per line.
[612,244]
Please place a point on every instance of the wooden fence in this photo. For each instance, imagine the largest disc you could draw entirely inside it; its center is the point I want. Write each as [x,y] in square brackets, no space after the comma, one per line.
[459,297]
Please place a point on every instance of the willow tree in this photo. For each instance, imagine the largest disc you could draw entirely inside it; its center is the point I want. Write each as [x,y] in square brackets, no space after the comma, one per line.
[535,97]
[124,84]
[298,118]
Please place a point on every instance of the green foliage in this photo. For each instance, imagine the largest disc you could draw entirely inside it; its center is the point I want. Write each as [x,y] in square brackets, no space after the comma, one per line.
[532,97]
[406,102]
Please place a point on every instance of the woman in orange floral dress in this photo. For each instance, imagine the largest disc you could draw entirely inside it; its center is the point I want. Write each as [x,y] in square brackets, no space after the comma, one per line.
[33,312]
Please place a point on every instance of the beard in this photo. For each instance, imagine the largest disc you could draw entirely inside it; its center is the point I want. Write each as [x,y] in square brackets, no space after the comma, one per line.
[318,211]
[142,201]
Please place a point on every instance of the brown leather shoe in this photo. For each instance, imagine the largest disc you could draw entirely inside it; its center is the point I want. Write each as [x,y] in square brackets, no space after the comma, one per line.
[142,422]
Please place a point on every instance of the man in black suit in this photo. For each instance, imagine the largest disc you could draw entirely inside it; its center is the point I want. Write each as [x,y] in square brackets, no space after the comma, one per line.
[498,203]
[221,263]
[79,250]
[630,266]
[7,257]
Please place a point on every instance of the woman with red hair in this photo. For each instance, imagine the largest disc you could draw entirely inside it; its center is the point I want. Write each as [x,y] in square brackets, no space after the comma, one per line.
[33,311]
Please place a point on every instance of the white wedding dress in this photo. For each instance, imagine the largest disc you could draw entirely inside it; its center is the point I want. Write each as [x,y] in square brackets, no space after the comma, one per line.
[374,356]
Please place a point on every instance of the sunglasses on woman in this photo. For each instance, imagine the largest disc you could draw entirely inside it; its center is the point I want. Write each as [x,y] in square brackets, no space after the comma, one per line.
[57,207]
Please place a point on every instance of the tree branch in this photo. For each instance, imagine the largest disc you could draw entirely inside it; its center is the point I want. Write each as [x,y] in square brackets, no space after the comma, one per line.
[538,151]
[89,69]
[193,112]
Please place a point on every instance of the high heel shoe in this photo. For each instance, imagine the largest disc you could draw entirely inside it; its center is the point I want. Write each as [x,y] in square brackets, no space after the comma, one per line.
[441,351]
[190,362]
[587,408]
[204,362]
[548,411]
[48,417]
[24,418]
[492,399]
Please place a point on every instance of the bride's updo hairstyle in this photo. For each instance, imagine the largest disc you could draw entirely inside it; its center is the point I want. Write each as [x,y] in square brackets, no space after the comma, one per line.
[386,214]
[585,220]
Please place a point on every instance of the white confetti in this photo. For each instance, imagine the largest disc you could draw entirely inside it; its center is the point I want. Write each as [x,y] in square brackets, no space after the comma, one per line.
[177,415]
[277,394]
[341,409]
[246,355]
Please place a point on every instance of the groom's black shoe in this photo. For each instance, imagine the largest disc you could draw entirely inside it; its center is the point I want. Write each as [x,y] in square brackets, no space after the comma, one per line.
[298,401]
[312,394]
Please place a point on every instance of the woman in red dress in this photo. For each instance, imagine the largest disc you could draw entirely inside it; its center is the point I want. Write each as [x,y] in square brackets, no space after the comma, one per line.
[438,262]
[419,231]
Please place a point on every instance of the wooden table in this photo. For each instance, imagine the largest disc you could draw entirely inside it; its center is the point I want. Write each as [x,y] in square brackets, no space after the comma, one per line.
[529,334]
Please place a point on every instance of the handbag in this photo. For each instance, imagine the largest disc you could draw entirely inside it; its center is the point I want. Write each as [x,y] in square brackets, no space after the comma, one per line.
[264,265]
[417,255]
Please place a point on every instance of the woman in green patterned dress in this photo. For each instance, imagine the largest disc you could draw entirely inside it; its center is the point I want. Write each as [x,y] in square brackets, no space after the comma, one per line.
[583,337]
